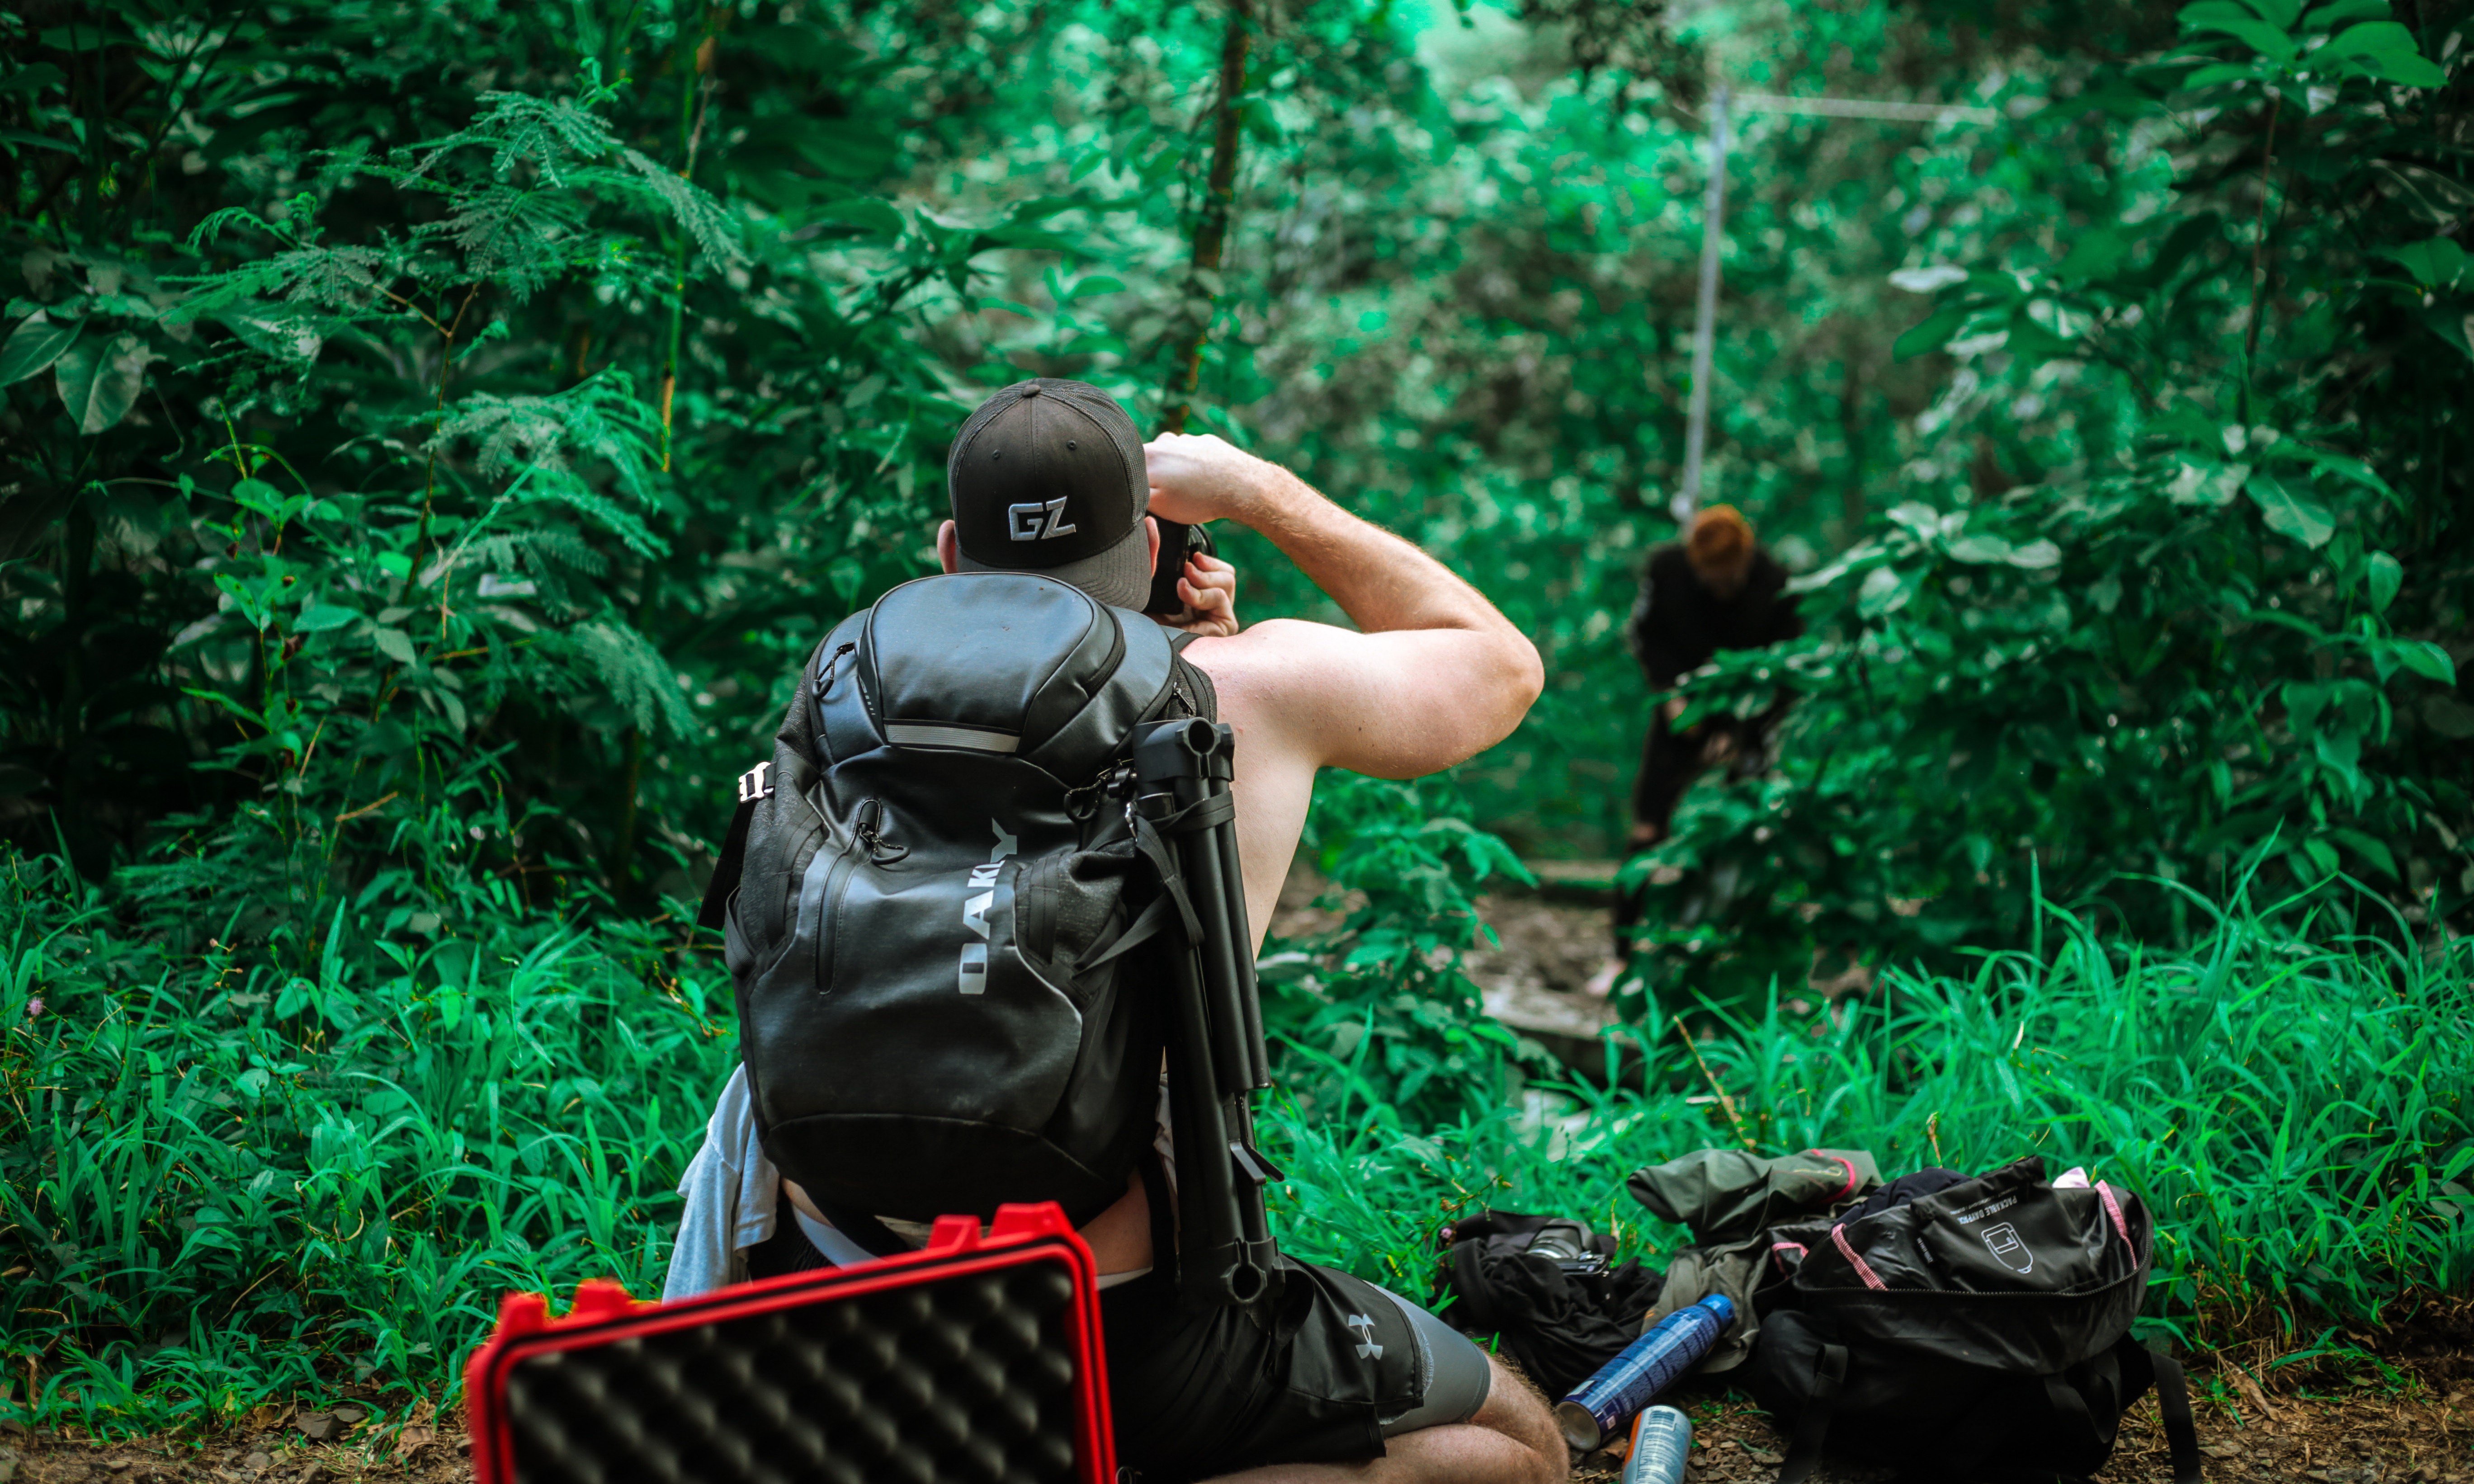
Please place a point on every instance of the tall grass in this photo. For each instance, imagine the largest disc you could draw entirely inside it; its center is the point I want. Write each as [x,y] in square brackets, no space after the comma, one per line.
[227,1181]
[2295,1113]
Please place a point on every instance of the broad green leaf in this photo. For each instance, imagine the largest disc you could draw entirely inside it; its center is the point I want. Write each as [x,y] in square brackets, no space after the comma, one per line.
[2303,701]
[257,495]
[292,336]
[2199,483]
[2403,70]
[2037,555]
[2223,72]
[2451,718]
[17,137]
[2200,11]
[1981,549]
[1933,334]
[33,344]
[99,380]
[2424,658]
[2291,509]
[2385,576]
[2381,49]
[2339,11]
[2281,14]
[1885,591]
[2435,264]
[864,212]
[320,617]
[2259,36]
[2340,464]
[2095,256]
[2368,849]
[2370,38]
[395,644]
[2181,242]
[2442,199]
[27,79]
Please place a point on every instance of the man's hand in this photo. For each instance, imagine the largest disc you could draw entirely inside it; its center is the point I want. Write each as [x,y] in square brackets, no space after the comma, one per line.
[1201,476]
[1209,591]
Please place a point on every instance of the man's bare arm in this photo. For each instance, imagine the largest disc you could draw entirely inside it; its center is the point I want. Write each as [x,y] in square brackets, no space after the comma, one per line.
[1433,674]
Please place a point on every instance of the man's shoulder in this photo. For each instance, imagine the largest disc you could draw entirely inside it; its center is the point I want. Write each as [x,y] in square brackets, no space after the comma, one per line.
[1769,575]
[1268,645]
[1668,561]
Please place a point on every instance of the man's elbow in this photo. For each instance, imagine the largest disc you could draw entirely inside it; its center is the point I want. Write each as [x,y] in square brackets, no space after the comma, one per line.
[1520,679]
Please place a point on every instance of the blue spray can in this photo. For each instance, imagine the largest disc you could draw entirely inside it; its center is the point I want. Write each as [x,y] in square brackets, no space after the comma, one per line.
[1661,1444]
[1649,1365]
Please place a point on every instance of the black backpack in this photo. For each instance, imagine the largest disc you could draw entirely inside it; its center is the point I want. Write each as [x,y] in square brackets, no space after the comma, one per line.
[1543,1290]
[932,911]
[1981,1333]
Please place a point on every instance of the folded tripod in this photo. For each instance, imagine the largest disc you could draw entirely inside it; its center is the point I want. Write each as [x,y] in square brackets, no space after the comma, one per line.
[1185,822]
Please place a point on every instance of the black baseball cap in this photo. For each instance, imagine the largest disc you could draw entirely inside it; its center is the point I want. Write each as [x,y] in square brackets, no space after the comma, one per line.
[1047,477]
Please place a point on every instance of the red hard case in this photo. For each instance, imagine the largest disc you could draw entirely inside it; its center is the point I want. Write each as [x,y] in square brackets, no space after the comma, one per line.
[975,1358]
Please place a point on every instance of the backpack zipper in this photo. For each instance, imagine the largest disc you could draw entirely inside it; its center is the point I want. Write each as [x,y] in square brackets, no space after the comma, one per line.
[829,671]
[862,837]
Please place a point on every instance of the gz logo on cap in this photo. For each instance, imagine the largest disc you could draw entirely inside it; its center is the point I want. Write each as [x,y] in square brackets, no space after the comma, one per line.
[1039,520]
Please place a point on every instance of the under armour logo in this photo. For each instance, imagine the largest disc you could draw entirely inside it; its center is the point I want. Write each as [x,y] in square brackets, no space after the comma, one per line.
[1367,1349]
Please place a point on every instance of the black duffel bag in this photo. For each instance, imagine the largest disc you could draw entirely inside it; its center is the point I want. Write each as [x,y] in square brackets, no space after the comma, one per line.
[1981,1333]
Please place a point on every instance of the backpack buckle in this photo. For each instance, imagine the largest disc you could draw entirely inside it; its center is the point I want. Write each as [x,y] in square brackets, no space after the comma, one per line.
[754,785]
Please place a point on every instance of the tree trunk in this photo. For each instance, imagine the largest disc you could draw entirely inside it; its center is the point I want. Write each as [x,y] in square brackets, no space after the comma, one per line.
[1211,224]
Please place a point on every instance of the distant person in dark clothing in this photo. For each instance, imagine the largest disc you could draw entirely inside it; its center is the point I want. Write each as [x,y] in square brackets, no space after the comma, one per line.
[1715,589]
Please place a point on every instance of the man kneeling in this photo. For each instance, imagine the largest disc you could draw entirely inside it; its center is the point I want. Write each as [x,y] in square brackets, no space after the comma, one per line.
[1337,1379]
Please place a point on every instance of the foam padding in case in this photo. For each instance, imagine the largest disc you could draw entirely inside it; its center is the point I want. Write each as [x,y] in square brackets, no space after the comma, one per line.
[974,1361]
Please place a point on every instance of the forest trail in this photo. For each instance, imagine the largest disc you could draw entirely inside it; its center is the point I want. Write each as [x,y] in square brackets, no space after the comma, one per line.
[1549,970]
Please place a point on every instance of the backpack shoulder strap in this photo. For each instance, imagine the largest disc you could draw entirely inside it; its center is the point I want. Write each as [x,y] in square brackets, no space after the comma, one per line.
[754,788]
[2173,1402]
[1812,1424]
[1190,680]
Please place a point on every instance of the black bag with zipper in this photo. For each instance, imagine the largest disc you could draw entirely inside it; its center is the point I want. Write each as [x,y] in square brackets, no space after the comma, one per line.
[1978,1332]
[940,929]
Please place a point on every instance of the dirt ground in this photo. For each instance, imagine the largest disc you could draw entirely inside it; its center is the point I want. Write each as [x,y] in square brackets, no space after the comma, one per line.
[2407,1436]
[1546,974]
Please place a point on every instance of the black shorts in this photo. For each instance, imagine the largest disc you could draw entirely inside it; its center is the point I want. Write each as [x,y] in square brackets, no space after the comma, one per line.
[1323,1376]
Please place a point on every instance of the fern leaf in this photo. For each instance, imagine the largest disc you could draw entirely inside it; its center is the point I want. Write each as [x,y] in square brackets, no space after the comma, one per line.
[639,680]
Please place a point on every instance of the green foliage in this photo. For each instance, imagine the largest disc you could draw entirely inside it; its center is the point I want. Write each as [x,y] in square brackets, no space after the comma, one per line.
[431,433]
[227,1181]
[2222,617]
[1379,1006]
[2296,1116]
[367,431]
